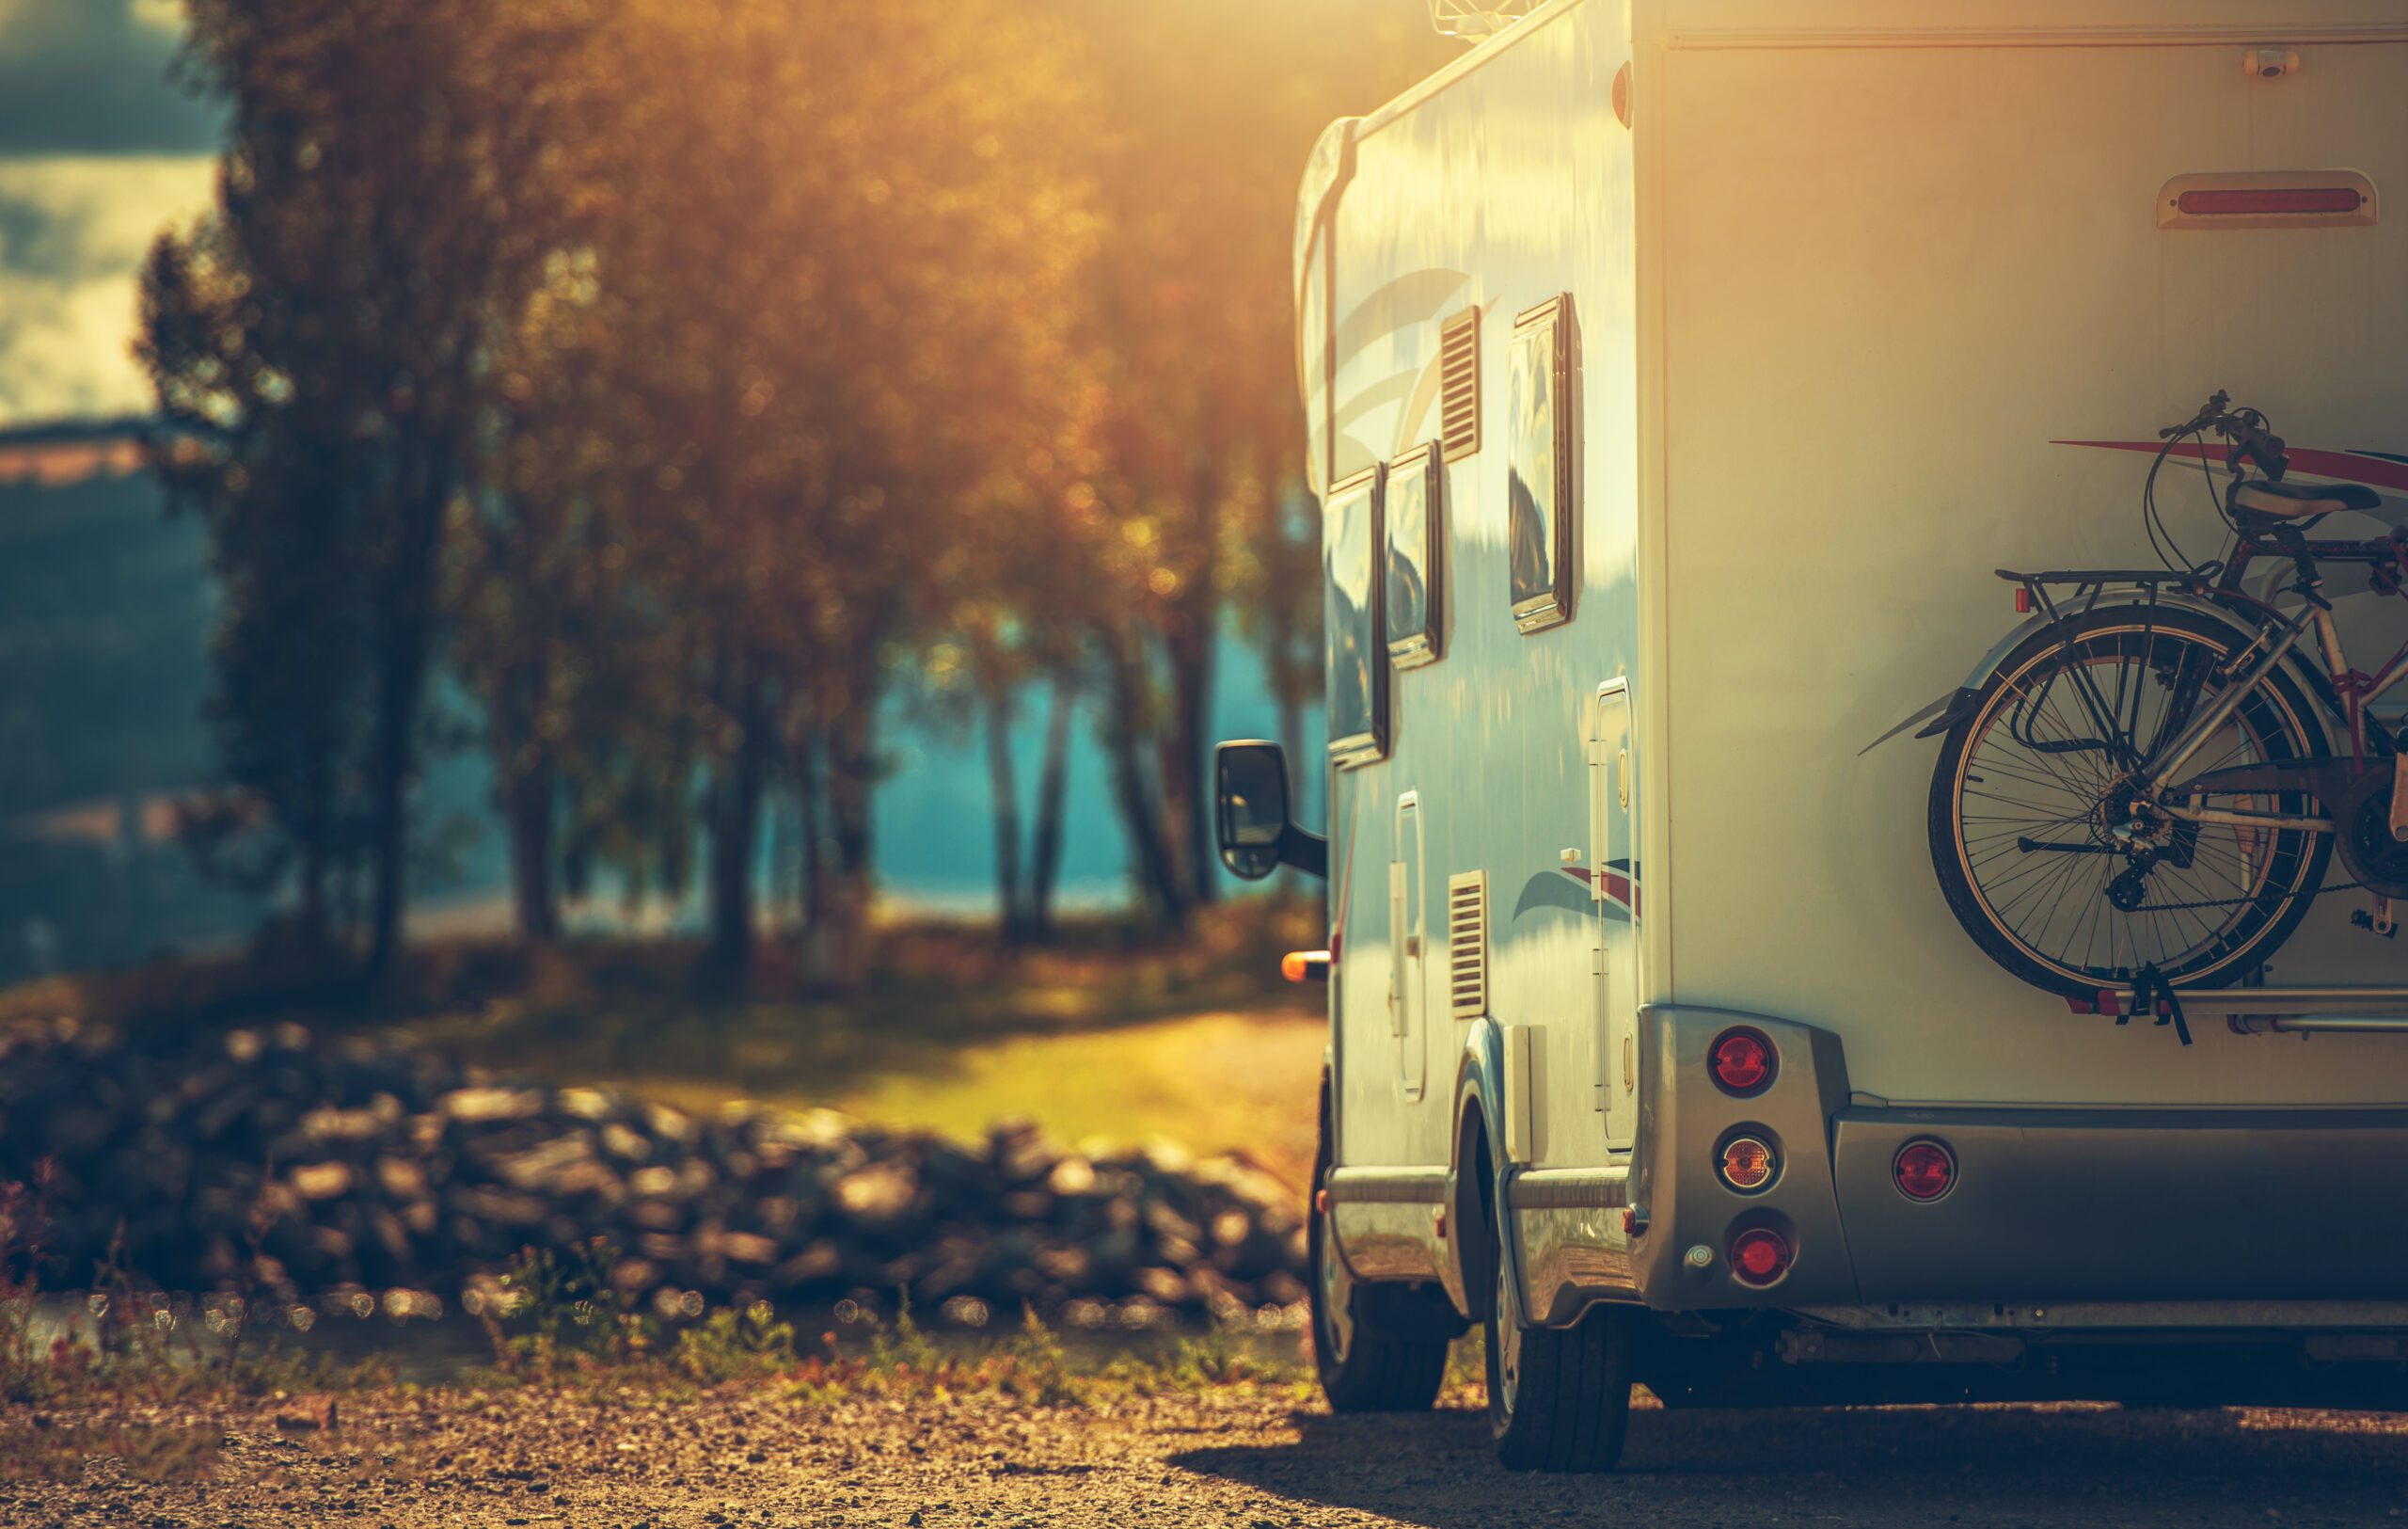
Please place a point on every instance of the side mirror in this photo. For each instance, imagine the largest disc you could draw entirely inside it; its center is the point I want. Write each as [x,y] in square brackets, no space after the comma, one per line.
[1257,835]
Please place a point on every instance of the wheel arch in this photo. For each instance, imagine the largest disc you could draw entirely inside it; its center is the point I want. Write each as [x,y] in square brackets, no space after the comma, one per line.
[1473,1197]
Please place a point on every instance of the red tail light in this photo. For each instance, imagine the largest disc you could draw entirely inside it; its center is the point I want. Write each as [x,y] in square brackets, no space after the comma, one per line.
[1742,1062]
[1926,1170]
[1758,1256]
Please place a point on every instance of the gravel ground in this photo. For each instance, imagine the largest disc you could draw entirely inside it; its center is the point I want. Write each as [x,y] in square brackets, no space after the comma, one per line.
[1233,1456]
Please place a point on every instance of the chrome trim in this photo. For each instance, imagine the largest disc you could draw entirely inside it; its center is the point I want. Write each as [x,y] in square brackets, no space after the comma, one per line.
[1387,1186]
[1570,1188]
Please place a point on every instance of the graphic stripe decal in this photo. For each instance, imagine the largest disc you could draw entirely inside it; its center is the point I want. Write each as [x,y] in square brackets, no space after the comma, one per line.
[2376,470]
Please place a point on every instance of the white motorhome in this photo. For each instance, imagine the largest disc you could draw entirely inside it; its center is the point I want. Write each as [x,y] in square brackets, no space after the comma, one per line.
[1678,374]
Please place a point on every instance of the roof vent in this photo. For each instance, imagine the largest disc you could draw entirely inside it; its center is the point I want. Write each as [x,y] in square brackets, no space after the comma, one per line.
[1472,19]
[1459,385]
[1467,945]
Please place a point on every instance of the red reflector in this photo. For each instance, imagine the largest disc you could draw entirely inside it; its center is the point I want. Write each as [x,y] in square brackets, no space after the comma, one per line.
[2023,603]
[1758,1256]
[1926,1170]
[1747,1163]
[1741,1061]
[2239,201]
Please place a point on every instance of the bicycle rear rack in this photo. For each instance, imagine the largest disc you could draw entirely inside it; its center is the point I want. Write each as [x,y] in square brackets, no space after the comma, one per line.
[2281,1010]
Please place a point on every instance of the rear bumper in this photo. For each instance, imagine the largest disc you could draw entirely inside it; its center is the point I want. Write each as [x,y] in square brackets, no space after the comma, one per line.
[2130,1206]
[2049,1205]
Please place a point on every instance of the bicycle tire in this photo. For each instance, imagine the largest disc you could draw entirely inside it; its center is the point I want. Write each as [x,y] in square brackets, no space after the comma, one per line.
[2279,720]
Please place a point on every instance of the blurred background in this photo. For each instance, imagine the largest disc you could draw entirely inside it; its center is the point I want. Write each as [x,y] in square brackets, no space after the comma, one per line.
[693,547]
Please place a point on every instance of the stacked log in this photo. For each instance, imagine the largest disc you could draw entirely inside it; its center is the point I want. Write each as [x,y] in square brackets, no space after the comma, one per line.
[309,1165]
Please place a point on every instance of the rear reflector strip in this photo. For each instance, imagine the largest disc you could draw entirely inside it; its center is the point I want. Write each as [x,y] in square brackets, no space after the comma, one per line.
[2268,200]
[2236,203]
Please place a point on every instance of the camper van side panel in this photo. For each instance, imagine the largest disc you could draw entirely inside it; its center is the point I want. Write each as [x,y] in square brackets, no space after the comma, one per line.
[1507,187]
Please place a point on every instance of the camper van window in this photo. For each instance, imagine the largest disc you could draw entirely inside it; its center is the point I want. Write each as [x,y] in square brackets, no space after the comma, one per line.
[1415,538]
[1358,670]
[1538,495]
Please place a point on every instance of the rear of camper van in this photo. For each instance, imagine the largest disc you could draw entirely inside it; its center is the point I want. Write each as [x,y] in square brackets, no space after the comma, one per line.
[1713,354]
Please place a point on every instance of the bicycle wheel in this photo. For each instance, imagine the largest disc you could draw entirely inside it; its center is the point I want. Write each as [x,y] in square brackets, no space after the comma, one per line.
[2046,854]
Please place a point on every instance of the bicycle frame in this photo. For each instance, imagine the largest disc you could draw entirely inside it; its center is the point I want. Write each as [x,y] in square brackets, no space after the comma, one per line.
[2386,558]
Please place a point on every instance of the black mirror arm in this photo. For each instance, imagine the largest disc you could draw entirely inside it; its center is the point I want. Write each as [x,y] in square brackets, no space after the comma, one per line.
[1307,853]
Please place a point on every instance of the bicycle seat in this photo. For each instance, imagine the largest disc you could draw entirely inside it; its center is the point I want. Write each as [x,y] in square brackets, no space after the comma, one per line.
[2293,500]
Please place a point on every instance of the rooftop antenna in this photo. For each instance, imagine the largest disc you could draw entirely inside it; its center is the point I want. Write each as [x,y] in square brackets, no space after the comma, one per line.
[1472,19]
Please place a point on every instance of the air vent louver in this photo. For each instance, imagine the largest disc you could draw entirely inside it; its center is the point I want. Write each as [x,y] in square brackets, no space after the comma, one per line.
[1459,385]
[1467,945]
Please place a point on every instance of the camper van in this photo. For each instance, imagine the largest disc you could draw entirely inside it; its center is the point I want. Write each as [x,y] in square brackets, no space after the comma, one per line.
[1681,375]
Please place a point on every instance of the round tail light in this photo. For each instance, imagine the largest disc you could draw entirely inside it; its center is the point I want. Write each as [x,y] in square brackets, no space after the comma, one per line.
[1758,1256]
[1926,1170]
[1742,1062]
[1748,1163]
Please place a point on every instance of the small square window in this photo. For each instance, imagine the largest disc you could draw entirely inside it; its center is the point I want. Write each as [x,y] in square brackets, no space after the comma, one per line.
[1540,511]
[1417,543]
[1358,670]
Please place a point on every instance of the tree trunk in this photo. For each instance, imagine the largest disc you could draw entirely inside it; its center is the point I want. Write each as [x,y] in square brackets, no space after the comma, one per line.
[1184,745]
[1002,789]
[843,949]
[532,810]
[810,838]
[1053,792]
[405,638]
[1140,814]
[736,827]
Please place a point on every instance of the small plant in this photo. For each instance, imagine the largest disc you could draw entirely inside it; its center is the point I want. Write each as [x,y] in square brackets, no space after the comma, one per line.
[730,1344]
[580,1320]
[903,1352]
[25,1362]
[1035,1368]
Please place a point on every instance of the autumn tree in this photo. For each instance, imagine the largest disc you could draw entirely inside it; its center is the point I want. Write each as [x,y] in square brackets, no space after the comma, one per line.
[1194,513]
[838,283]
[327,333]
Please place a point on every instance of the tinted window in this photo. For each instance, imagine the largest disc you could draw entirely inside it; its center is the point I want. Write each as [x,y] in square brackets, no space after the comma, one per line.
[1538,466]
[1357,658]
[1413,544]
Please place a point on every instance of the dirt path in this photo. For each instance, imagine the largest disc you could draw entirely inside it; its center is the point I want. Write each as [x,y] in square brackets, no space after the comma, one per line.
[1230,1457]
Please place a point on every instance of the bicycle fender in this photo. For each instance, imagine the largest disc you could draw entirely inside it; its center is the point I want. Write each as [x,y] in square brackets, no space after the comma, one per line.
[1946,712]
[1937,717]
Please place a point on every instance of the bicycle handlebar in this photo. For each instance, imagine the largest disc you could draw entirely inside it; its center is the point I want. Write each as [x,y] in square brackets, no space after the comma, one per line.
[2244,427]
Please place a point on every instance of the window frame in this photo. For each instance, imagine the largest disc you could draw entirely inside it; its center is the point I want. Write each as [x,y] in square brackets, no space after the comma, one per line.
[1372,743]
[1551,607]
[1415,650]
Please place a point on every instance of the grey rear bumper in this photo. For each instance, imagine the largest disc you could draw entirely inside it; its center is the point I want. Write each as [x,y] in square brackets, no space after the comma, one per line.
[2049,1205]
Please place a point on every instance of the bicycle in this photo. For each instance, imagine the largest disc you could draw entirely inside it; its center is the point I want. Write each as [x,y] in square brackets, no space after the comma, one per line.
[2147,789]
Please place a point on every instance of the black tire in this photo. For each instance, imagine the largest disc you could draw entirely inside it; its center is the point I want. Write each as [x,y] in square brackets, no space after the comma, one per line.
[2273,875]
[1558,1400]
[1363,1367]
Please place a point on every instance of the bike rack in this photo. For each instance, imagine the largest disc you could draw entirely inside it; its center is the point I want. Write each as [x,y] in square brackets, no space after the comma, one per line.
[2284,1010]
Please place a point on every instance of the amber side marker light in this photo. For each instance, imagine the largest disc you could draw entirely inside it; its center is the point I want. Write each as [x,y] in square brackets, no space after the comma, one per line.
[1758,1256]
[1748,1163]
[1742,1061]
[1924,1170]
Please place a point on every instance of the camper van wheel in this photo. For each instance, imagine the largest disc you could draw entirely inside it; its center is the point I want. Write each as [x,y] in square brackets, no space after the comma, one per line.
[1558,1399]
[1371,1353]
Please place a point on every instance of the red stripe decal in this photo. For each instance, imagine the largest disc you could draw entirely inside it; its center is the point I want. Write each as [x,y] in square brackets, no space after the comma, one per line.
[2349,467]
[1617,888]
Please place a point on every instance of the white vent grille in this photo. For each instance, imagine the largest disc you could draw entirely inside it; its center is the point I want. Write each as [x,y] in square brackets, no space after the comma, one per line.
[1474,18]
[1467,945]
[1459,385]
